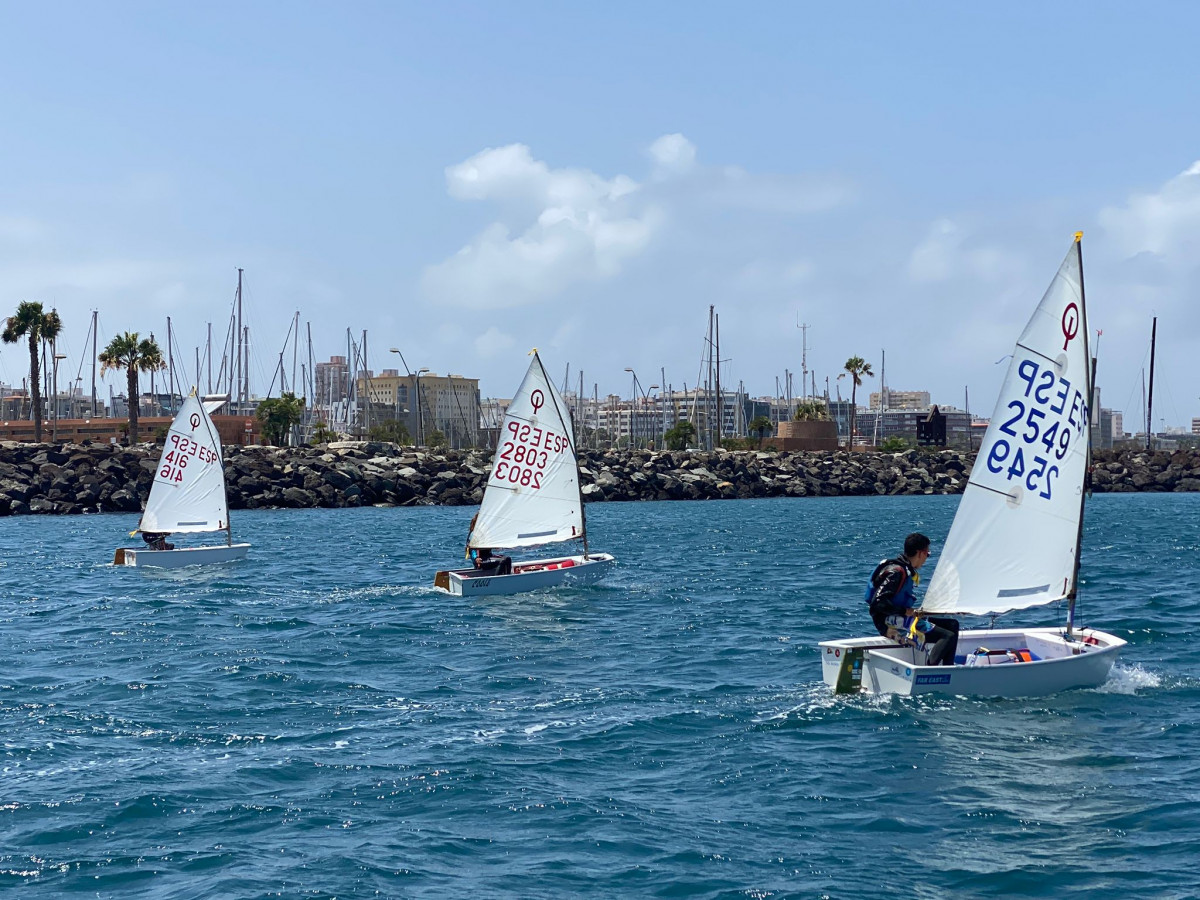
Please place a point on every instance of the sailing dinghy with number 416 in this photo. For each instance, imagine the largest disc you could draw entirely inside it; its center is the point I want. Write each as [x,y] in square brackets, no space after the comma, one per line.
[532,497]
[1015,539]
[187,495]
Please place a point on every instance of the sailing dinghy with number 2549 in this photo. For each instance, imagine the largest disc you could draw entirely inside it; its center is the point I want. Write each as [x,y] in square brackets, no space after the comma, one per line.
[1014,543]
[532,497]
[187,495]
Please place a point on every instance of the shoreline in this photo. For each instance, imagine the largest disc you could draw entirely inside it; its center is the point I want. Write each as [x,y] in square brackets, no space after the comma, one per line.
[67,479]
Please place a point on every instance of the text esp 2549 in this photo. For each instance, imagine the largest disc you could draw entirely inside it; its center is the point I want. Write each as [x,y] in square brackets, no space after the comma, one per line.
[1043,422]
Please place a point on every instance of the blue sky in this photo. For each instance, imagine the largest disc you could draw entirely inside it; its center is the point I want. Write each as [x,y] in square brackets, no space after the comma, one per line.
[466,181]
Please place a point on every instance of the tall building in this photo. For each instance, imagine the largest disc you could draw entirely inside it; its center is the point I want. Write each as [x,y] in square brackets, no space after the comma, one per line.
[331,381]
[876,426]
[900,399]
[425,402]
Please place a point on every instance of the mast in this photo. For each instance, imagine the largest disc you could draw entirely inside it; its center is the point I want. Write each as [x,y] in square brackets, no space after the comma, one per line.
[803,359]
[574,452]
[238,353]
[720,406]
[708,384]
[967,406]
[295,348]
[1150,395]
[153,389]
[246,366]
[94,315]
[170,365]
[1090,377]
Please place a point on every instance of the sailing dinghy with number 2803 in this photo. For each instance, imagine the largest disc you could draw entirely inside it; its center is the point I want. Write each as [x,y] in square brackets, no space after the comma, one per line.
[1015,539]
[187,495]
[532,497]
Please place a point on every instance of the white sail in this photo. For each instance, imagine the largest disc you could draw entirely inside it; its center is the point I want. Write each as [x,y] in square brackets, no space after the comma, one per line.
[1015,536]
[532,494]
[188,493]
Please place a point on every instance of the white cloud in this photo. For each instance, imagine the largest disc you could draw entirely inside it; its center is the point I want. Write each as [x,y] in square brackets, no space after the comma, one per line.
[673,153]
[1165,223]
[562,227]
[493,342]
[950,252]
[559,230]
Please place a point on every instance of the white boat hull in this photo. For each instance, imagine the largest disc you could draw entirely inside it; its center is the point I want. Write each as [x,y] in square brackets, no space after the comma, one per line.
[878,666]
[529,576]
[174,559]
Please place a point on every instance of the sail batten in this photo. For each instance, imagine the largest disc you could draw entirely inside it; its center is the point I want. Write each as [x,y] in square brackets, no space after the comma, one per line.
[1014,542]
[532,494]
[188,492]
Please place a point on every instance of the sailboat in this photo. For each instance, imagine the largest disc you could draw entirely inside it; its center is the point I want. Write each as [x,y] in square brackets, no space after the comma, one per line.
[1014,543]
[532,497]
[188,493]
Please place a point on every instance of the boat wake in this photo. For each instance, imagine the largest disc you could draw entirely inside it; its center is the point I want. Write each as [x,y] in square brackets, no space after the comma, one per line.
[1129,680]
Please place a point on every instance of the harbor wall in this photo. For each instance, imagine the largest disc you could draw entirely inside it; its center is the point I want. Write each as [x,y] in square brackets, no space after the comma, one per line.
[73,478]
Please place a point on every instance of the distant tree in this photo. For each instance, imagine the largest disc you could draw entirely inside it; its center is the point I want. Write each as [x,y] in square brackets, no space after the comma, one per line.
[127,352]
[895,444]
[760,425]
[390,430]
[322,433]
[680,435]
[811,411]
[32,322]
[278,415]
[857,368]
[435,440]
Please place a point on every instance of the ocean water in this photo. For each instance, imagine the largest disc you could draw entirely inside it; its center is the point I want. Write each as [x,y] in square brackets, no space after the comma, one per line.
[316,721]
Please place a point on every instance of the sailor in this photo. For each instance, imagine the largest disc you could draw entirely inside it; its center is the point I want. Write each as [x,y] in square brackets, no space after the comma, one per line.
[157,540]
[891,597]
[485,562]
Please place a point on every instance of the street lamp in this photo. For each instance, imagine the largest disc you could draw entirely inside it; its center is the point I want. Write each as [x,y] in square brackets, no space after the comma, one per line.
[653,387]
[408,372]
[420,411]
[632,405]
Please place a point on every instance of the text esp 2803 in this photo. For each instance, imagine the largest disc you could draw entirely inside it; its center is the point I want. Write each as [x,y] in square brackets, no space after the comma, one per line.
[527,450]
[183,451]
[1038,428]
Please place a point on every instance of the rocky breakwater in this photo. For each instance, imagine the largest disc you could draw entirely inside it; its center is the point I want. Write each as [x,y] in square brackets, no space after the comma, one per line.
[41,478]
[1125,471]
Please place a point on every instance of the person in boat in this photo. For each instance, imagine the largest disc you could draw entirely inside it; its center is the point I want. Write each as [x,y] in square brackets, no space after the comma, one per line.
[892,599]
[157,540]
[486,563]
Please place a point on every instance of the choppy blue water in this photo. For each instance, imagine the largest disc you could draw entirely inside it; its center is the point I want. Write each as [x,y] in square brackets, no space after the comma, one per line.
[317,721]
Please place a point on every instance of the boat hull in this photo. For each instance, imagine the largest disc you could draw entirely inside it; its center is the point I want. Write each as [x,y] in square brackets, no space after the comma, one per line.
[878,666]
[174,559]
[531,576]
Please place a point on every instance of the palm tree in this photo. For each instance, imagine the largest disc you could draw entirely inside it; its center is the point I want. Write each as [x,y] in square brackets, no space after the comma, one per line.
[811,411]
[33,322]
[278,415]
[762,425]
[128,353]
[856,368]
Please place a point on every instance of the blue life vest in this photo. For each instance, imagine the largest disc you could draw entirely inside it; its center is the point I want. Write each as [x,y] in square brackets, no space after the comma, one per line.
[905,597]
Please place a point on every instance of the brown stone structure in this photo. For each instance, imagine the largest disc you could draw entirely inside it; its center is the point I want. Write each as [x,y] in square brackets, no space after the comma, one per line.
[234,430]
